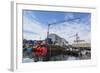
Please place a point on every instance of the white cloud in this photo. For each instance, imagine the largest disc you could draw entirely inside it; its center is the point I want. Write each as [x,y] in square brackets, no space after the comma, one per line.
[33,26]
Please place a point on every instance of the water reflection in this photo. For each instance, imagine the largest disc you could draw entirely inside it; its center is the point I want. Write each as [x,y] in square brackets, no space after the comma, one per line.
[57,58]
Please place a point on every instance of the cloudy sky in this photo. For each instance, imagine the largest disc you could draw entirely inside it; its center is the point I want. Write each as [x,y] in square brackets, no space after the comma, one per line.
[35,24]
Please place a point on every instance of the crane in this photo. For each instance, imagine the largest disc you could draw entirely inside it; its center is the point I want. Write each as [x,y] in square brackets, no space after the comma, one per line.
[62,21]
[77,38]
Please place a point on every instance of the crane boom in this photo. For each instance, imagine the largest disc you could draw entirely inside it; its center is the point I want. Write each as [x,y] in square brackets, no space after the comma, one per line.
[64,21]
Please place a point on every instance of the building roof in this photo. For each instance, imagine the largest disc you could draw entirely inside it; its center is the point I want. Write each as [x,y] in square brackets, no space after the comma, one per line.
[84,45]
